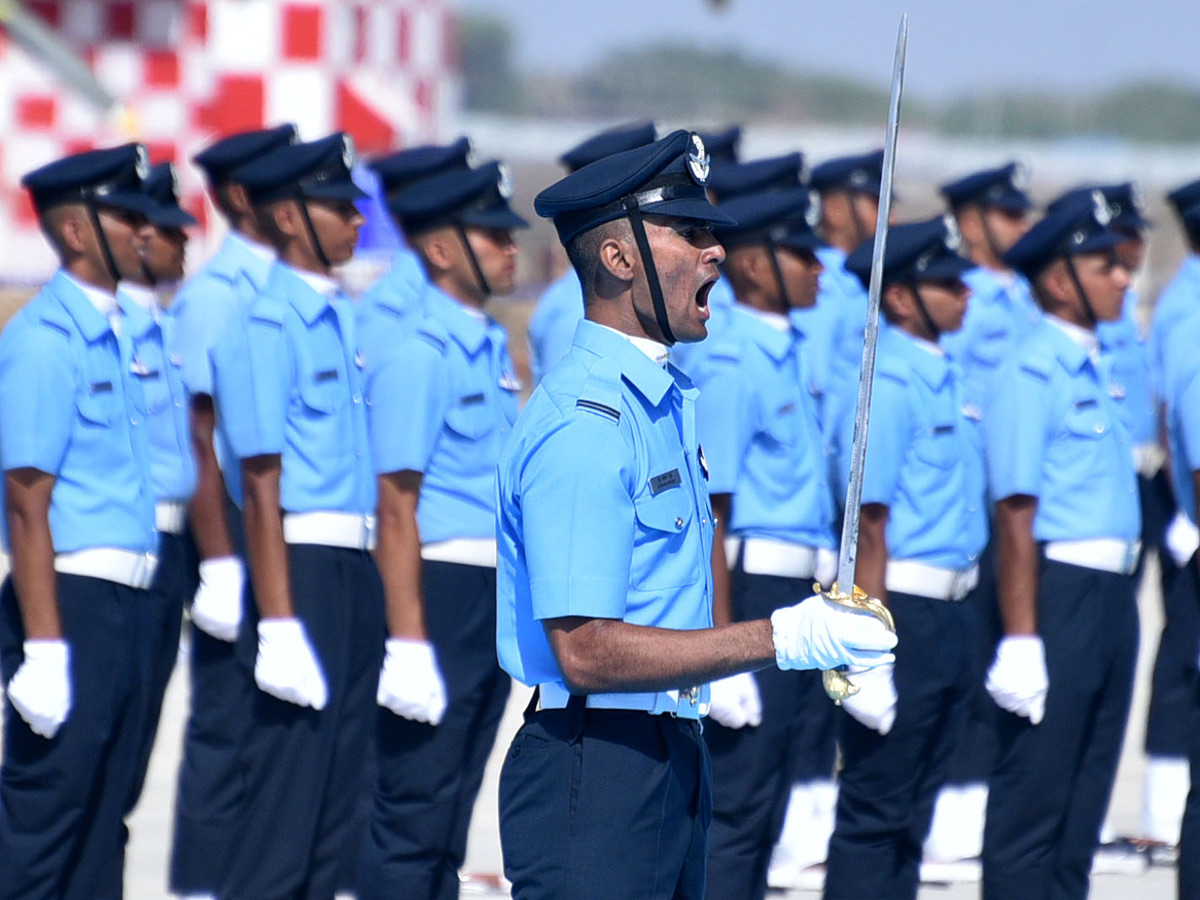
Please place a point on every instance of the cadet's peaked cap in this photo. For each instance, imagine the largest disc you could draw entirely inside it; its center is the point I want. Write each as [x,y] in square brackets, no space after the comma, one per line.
[218,160]
[319,170]
[855,173]
[723,146]
[1003,188]
[474,197]
[1083,225]
[1191,221]
[775,173]
[1124,204]
[397,171]
[162,187]
[1182,198]
[109,177]
[786,218]
[917,251]
[666,178]
[608,142]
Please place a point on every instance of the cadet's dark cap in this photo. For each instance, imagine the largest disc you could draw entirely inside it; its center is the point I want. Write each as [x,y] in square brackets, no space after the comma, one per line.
[862,173]
[723,146]
[1083,225]
[220,159]
[666,178]
[1003,188]
[916,251]
[1182,198]
[1124,204]
[776,173]
[397,171]
[318,170]
[608,142]
[1191,221]
[109,177]
[474,197]
[162,187]
[786,218]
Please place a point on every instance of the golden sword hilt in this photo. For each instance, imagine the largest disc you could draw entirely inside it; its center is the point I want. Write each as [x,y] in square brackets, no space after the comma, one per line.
[837,685]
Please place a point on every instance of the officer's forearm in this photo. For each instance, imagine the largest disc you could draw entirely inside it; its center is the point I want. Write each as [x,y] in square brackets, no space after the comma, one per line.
[399,554]
[871,571]
[207,507]
[722,593]
[265,547]
[27,505]
[1017,564]
[602,655]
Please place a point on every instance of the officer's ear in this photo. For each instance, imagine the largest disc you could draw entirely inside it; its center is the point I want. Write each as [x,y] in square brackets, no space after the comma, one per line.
[284,219]
[236,199]
[618,256]
[898,303]
[1056,284]
[440,249]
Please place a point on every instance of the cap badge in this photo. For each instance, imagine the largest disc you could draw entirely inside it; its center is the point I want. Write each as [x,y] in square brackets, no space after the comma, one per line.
[812,215]
[347,152]
[1100,209]
[697,161]
[504,183]
[1019,177]
[953,238]
[143,162]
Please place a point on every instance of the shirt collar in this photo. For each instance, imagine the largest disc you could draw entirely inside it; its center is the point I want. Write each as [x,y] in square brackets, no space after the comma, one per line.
[104,302]
[142,295]
[73,294]
[313,298]
[137,319]
[1084,338]
[655,352]
[927,359]
[1069,345]
[469,327]
[650,380]
[240,255]
[771,331]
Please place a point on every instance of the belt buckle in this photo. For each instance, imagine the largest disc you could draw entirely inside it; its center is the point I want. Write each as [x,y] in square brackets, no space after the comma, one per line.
[691,694]
[1132,550]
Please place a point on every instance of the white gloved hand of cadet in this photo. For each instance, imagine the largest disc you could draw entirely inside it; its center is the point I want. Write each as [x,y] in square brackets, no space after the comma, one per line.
[1017,679]
[40,691]
[734,701]
[817,634]
[287,665]
[1182,538]
[875,703]
[410,683]
[217,607]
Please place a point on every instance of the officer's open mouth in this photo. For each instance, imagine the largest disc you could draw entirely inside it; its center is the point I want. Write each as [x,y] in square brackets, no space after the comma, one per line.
[702,294]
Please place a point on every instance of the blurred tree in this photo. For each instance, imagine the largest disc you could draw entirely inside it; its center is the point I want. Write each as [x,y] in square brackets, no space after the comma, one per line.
[490,81]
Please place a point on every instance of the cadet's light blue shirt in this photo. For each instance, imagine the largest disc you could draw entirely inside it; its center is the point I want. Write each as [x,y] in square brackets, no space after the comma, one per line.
[442,398]
[400,288]
[1054,433]
[758,426]
[1177,302]
[845,299]
[924,456]
[552,326]
[602,508]
[71,406]
[288,380]
[1181,387]
[1128,361]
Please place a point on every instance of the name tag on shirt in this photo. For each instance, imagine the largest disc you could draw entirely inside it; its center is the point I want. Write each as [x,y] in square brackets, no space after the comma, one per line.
[666,480]
[787,408]
[471,400]
[1089,403]
[327,375]
[943,429]
[102,387]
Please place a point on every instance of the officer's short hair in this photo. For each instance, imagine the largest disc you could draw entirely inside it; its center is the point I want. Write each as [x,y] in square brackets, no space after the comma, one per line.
[583,251]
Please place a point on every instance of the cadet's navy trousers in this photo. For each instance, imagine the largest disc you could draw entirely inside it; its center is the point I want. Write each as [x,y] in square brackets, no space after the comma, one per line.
[429,776]
[303,767]
[61,800]
[605,805]
[889,783]
[1051,783]
[1187,591]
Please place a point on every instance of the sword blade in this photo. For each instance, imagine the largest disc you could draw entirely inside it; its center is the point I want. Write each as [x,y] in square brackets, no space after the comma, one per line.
[848,555]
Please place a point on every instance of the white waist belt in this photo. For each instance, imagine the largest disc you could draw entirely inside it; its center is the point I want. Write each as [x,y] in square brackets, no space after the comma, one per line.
[1104,554]
[170,516]
[127,567]
[464,551]
[907,576]
[1148,459]
[765,556]
[331,529]
[732,546]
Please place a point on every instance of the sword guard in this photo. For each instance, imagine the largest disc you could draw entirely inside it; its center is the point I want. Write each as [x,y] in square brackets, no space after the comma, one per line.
[835,682]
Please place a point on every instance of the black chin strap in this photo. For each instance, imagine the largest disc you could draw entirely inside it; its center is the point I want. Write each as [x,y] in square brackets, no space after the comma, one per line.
[773,253]
[312,232]
[639,235]
[482,279]
[990,236]
[924,310]
[110,261]
[1083,297]
[146,273]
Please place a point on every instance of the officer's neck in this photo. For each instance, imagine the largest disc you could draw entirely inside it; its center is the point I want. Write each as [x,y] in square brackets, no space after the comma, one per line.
[454,289]
[299,257]
[91,273]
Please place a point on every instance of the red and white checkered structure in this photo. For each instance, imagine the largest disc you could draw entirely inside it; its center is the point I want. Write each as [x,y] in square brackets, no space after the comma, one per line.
[186,71]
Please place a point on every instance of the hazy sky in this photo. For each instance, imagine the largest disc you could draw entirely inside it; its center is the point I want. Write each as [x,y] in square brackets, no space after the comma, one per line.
[955,46]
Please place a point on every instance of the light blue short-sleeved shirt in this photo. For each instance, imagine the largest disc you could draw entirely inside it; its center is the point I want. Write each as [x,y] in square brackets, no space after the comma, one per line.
[758,426]
[399,289]
[924,456]
[288,380]
[1181,387]
[71,406]
[1178,300]
[1128,364]
[442,397]
[602,507]
[552,326]
[1054,432]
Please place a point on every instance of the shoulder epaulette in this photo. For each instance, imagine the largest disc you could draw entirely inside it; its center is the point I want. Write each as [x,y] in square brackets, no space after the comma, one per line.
[432,332]
[1039,367]
[601,391]
[895,369]
[56,319]
[725,350]
[267,310]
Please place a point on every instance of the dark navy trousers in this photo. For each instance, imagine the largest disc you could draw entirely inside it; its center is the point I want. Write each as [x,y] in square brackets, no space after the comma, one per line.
[1187,592]
[429,776]
[888,783]
[754,767]
[62,800]
[600,804]
[1051,783]
[303,768]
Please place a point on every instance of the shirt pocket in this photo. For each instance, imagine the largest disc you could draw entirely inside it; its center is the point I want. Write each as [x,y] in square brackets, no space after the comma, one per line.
[665,521]
[784,426]
[939,445]
[323,389]
[471,417]
[1086,421]
[97,407]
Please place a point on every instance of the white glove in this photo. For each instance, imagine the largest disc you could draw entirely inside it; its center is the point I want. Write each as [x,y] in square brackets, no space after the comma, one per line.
[875,703]
[41,689]
[1017,679]
[734,701]
[1182,538]
[287,665]
[217,607]
[817,634]
[410,683]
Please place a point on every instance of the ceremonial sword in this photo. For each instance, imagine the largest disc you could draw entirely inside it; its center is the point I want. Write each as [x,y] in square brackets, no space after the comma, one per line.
[837,685]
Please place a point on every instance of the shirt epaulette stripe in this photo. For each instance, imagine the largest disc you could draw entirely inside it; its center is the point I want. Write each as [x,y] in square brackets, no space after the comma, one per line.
[614,414]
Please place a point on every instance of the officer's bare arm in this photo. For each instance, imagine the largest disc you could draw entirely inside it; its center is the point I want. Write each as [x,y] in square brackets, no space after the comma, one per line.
[1017,564]
[871,572]
[27,505]
[265,547]
[602,655]
[722,593]
[207,507]
[399,554]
